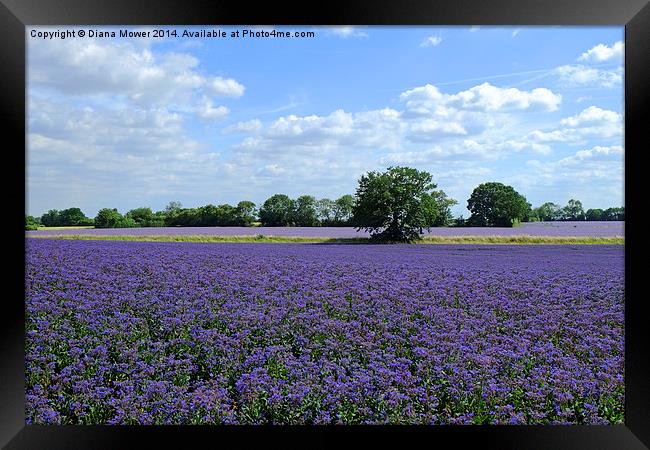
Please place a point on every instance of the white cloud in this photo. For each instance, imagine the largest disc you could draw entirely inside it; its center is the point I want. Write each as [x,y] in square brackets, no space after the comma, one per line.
[340,129]
[491,98]
[226,86]
[249,126]
[347,32]
[592,115]
[134,73]
[602,53]
[604,163]
[594,175]
[272,170]
[208,112]
[487,149]
[140,148]
[432,127]
[576,75]
[431,41]
[592,122]
[597,152]
[515,32]
[484,97]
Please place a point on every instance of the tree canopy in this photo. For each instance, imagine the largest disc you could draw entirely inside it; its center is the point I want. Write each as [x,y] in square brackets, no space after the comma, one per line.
[277,211]
[111,218]
[496,205]
[66,218]
[396,205]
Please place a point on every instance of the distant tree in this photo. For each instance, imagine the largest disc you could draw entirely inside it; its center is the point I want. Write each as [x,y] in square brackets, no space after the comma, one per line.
[277,211]
[108,218]
[459,221]
[305,214]
[51,218]
[246,213]
[141,216]
[343,209]
[30,223]
[573,211]
[227,215]
[158,219]
[73,217]
[496,205]
[548,212]
[325,211]
[396,205]
[172,211]
[611,214]
[205,216]
[594,214]
[443,203]
[186,217]
[173,207]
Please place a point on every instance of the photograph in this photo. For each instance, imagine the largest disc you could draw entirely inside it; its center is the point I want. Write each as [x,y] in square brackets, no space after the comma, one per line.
[325,225]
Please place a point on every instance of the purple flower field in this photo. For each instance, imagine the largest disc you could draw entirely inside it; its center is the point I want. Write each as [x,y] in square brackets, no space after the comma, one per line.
[191,333]
[596,229]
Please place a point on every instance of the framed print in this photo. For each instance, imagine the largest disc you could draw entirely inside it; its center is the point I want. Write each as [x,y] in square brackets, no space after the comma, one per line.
[364,222]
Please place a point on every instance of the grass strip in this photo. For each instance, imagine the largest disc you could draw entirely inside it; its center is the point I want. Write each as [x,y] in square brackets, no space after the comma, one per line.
[519,239]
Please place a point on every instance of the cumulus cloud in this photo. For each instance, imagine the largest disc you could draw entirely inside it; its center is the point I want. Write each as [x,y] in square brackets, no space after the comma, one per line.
[226,86]
[141,150]
[207,111]
[87,67]
[592,122]
[484,97]
[431,41]
[485,149]
[592,115]
[604,163]
[602,53]
[575,75]
[315,134]
[430,128]
[594,153]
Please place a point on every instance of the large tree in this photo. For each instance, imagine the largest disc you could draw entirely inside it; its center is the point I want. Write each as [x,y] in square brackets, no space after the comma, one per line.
[277,211]
[396,205]
[496,205]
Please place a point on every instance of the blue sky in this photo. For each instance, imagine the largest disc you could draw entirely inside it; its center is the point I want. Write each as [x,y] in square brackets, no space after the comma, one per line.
[118,122]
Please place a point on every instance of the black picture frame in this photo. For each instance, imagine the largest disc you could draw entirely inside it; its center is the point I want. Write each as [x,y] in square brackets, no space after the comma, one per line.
[15,15]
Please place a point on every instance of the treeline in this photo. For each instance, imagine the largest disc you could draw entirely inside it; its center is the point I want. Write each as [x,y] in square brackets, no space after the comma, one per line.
[278,210]
[304,211]
[573,211]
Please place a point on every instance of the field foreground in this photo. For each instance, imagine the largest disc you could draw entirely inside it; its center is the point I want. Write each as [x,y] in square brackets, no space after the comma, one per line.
[167,333]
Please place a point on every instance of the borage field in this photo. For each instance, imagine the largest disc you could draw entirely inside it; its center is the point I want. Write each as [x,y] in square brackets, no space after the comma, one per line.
[195,333]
